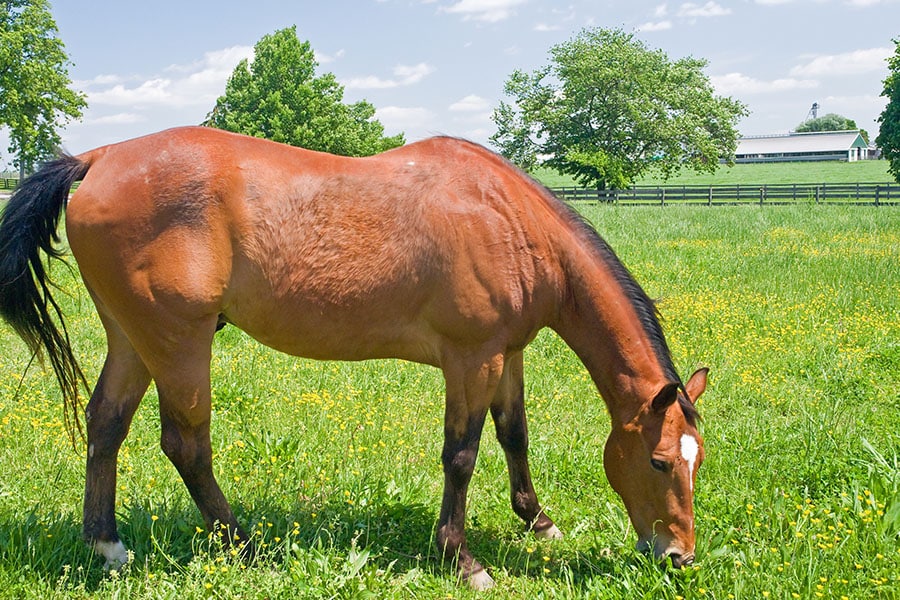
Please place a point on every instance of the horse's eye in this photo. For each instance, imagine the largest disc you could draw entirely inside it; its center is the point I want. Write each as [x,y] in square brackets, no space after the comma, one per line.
[659,465]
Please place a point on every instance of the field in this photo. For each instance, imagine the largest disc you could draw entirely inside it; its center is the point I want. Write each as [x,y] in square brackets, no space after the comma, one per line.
[335,466]
[867,171]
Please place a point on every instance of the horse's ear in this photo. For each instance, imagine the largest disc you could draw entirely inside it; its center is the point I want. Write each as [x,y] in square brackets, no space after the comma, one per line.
[666,397]
[696,385]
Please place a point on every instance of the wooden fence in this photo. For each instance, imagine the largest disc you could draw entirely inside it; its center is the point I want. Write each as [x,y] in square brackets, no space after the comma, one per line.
[877,194]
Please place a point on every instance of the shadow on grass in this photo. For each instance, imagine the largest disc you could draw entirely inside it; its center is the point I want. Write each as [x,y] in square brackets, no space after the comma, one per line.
[398,538]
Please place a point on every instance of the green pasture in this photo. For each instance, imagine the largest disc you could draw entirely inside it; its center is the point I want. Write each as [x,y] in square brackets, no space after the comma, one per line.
[334,467]
[865,171]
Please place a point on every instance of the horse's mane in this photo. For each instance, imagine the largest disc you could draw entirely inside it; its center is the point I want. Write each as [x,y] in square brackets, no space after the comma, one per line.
[644,307]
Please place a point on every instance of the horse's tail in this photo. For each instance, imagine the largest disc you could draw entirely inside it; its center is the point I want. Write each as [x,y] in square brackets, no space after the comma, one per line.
[28,224]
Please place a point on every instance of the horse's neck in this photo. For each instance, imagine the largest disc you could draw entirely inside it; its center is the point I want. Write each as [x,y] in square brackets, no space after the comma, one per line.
[599,322]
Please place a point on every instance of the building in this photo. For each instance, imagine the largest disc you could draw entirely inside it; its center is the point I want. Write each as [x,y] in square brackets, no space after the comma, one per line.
[821,145]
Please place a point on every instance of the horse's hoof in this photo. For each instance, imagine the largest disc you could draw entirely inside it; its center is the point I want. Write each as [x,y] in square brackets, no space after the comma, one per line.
[480,580]
[551,533]
[115,554]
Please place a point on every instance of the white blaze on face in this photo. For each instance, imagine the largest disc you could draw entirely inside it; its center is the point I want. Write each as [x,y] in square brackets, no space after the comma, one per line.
[689,450]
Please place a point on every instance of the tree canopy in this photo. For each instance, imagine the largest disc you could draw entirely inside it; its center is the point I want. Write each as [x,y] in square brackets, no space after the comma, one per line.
[35,97]
[889,135]
[608,109]
[278,96]
[830,122]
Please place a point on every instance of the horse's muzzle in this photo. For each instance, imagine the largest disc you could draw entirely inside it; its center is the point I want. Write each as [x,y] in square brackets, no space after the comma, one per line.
[681,560]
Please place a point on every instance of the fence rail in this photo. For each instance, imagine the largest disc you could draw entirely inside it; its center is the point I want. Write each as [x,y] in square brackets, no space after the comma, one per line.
[877,194]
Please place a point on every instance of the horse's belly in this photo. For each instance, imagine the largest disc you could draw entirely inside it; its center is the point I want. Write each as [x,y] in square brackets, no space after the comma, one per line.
[359,331]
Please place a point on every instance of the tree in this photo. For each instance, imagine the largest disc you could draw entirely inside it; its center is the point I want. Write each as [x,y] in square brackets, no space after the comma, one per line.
[889,135]
[608,109]
[35,98]
[278,97]
[830,122]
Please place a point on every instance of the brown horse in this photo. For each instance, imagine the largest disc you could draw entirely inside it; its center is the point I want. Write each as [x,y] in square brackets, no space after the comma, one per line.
[438,252]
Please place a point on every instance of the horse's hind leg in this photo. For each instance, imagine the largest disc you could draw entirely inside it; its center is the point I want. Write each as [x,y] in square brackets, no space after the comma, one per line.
[508,412]
[183,382]
[108,415]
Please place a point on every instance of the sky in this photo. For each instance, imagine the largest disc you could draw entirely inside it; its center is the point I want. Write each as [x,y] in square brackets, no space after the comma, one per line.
[438,66]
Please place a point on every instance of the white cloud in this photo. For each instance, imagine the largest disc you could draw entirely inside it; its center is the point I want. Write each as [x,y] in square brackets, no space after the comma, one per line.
[197,83]
[470,103]
[710,9]
[153,91]
[687,11]
[217,61]
[403,75]
[655,26]
[489,11]
[543,27]
[738,83]
[324,59]
[849,63]
[99,80]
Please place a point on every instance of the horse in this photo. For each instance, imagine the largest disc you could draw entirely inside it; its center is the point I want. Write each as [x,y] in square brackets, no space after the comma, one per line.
[439,252]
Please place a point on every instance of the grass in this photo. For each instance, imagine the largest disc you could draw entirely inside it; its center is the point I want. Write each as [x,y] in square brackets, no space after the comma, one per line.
[335,466]
[867,171]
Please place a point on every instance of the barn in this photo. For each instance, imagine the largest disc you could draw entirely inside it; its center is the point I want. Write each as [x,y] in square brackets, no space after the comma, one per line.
[821,145]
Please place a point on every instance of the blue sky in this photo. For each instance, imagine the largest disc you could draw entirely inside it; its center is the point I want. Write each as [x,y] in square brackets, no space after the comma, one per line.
[438,66]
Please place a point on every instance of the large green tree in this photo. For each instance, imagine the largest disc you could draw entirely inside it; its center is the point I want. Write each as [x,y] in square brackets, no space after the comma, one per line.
[608,109]
[35,94]
[889,135]
[278,96]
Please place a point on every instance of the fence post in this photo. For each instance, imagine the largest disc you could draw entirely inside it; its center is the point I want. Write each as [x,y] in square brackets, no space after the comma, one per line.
[762,194]
[877,194]
[662,197]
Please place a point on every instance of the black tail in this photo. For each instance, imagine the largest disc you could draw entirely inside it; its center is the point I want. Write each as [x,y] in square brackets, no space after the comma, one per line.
[28,224]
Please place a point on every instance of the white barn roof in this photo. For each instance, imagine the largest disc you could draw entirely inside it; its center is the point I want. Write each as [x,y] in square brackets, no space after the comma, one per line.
[823,145]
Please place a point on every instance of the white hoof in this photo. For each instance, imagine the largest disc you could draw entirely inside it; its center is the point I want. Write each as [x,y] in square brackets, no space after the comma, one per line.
[551,533]
[114,552]
[480,581]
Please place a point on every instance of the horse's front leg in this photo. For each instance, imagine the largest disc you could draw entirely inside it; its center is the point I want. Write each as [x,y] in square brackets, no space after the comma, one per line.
[123,382]
[508,413]
[468,395]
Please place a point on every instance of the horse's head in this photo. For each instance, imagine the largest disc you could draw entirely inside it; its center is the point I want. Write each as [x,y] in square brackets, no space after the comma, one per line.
[652,462]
